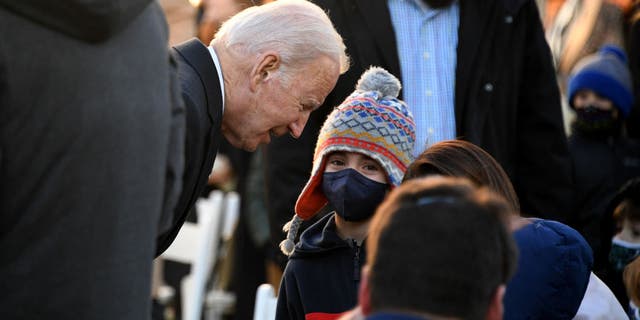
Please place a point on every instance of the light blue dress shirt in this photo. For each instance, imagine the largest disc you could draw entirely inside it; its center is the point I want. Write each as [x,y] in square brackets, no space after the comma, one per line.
[427,40]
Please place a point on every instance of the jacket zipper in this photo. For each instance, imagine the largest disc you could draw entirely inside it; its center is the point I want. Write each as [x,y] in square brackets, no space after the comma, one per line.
[356,261]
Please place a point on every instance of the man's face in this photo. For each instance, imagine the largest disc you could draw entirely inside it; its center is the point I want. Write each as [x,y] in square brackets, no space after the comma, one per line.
[277,108]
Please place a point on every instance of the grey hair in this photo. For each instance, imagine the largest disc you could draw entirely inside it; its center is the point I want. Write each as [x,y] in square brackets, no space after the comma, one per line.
[298,30]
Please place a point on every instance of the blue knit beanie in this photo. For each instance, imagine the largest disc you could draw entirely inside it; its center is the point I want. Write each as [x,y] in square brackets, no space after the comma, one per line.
[607,74]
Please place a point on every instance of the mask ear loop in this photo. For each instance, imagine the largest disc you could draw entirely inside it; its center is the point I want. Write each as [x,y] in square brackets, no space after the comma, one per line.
[291,228]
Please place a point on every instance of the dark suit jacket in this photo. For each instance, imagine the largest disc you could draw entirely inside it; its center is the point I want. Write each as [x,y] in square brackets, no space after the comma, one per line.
[202,98]
[86,143]
[506,100]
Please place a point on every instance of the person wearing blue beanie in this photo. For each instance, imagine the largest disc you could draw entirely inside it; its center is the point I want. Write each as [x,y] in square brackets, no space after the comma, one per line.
[607,75]
[600,92]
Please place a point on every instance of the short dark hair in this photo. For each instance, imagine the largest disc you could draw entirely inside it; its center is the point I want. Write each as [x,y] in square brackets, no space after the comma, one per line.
[439,245]
[459,158]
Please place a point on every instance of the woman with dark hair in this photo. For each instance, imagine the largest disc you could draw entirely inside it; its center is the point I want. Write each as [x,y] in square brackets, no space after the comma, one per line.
[458,158]
[554,278]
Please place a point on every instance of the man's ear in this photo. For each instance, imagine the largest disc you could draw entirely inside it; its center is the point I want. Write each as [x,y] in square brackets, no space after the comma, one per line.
[267,64]
[496,309]
[364,294]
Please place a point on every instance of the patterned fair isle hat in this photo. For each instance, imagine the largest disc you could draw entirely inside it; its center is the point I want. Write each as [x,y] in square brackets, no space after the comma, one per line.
[371,121]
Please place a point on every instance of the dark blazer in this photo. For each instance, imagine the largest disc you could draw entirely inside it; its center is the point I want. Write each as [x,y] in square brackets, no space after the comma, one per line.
[202,98]
[86,144]
[506,100]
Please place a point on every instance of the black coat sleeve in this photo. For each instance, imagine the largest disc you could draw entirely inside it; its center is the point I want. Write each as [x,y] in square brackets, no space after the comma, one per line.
[289,304]
[175,155]
[543,174]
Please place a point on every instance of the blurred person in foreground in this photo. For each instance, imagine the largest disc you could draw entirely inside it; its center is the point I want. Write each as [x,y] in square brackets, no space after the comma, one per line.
[91,136]
[569,282]
[459,228]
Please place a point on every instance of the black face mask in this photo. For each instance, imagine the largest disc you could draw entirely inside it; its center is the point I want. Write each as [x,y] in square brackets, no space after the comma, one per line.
[595,122]
[353,196]
[436,4]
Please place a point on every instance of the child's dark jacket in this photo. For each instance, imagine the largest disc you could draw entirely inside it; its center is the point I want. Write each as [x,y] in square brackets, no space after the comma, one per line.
[322,277]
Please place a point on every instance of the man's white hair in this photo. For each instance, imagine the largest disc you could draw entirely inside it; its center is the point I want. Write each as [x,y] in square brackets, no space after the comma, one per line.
[298,30]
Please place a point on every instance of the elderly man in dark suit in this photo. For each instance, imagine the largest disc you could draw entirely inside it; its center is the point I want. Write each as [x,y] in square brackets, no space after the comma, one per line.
[266,70]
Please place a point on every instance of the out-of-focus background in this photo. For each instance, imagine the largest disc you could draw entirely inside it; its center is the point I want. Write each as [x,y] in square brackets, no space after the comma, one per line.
[181,17]
[201,18]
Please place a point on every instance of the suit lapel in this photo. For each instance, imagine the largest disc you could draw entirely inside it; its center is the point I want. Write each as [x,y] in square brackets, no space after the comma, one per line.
[199,58]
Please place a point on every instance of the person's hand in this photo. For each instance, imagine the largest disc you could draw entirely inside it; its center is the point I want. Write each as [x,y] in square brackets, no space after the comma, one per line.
[222,172]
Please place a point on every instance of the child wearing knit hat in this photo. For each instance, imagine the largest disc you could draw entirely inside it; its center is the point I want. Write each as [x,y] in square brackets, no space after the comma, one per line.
[600,91]
[603,157]
[363,150]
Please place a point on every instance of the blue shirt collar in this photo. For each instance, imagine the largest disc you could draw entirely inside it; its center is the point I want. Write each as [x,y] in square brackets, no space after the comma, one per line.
[425,9]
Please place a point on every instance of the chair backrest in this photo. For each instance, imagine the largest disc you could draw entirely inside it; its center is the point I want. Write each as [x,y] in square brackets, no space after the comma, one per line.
[196,244]
[266,301]
[232,212]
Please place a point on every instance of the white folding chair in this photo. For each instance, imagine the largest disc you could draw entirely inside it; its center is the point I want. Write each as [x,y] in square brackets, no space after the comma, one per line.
[266,302]
[197,244]
[217,301]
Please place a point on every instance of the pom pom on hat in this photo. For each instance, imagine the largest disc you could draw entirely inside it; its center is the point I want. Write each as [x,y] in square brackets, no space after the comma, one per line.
[607,74]
[378,79]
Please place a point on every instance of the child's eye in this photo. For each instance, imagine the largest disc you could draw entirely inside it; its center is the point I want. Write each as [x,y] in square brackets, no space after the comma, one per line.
[371,167]
[336,162]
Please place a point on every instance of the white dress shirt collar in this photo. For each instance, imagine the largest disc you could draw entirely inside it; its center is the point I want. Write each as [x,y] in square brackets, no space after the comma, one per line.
[214,56]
